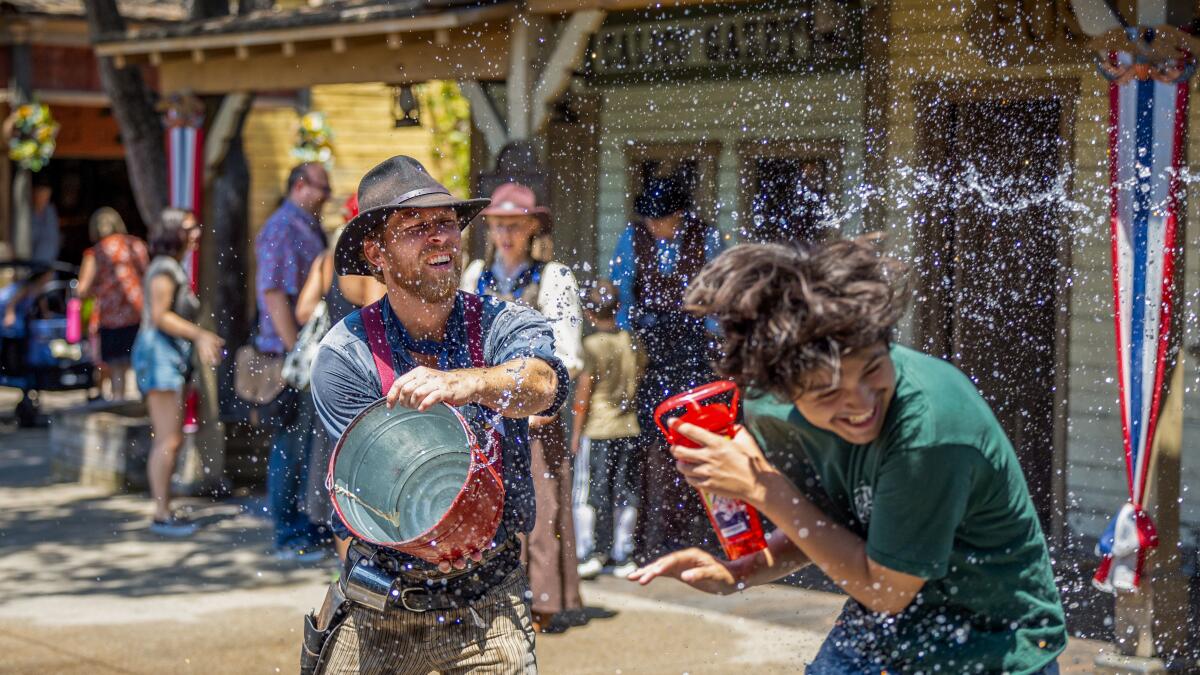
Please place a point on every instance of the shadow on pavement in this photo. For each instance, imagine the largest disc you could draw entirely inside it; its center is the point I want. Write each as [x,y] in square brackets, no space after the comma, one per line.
[66,539]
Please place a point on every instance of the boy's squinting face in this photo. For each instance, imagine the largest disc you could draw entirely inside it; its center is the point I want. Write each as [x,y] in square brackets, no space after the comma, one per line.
[855,405]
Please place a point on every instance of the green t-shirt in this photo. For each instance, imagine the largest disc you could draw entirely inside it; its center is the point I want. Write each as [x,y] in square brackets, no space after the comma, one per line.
[939,495]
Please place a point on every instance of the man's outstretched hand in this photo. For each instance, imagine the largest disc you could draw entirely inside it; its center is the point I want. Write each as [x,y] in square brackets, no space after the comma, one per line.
[461,563]
[422,388]
[699,569]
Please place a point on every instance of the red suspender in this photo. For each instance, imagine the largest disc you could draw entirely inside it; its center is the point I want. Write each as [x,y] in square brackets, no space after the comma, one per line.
[372,316]
[381,351]
[473,316]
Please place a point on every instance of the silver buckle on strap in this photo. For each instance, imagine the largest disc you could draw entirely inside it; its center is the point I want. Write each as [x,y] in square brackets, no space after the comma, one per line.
[404,599]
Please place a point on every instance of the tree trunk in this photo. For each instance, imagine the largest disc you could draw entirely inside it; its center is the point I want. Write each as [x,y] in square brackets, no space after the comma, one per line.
[133,106]
[231,233]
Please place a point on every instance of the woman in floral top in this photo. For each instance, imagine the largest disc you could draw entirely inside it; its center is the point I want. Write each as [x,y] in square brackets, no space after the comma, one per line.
[112,273]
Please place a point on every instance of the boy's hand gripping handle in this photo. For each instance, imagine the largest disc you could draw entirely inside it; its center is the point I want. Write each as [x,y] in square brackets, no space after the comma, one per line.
[715,417]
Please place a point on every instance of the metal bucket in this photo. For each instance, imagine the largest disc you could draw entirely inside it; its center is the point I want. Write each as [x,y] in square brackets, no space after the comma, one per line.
[417,482]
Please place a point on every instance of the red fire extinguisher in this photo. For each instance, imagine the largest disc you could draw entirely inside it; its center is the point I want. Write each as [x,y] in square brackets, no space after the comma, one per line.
[737,524]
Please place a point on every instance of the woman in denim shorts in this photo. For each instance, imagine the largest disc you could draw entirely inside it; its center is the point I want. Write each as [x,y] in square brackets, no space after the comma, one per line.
[162,356]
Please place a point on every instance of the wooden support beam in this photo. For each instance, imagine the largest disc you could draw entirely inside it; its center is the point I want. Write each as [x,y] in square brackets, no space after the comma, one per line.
[520,63]
[484,116]
[877,89]
[222,131]
[566,58]
[482,53]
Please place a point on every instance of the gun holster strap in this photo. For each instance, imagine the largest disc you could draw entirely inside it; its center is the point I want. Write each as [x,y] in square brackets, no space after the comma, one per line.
[319,626]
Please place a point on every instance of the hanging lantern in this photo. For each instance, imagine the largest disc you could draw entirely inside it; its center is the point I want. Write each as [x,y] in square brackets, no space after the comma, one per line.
[406,111]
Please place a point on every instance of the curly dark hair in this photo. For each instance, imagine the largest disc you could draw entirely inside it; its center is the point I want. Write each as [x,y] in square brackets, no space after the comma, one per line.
[787,311]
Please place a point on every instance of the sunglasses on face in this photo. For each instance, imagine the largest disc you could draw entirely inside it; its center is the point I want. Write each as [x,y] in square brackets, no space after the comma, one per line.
[323,188]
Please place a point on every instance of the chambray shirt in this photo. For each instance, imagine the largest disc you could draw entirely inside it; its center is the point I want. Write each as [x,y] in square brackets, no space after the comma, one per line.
[285,250]
[623,267]
[345,382]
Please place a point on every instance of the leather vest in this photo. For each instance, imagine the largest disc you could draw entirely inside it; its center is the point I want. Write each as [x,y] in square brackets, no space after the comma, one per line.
[654,290]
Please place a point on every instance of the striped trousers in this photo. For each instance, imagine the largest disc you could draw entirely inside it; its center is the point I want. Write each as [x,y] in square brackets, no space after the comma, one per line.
[496,637]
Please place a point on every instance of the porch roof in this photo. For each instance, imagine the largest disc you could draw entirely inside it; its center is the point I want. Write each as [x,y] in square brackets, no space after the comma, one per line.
[352,41]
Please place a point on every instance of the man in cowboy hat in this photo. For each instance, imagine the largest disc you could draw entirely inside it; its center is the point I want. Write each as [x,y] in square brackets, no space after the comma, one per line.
[495,361]
[654,260]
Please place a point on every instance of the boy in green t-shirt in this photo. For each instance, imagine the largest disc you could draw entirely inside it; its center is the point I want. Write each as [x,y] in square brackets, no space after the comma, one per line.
[881,465]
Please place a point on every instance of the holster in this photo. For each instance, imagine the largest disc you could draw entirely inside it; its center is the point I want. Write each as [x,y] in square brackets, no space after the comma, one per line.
[319,626]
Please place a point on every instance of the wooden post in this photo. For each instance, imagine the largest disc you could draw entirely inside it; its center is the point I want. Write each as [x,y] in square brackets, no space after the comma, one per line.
[518,80]
[876,104]
[20,89]
[1152,623]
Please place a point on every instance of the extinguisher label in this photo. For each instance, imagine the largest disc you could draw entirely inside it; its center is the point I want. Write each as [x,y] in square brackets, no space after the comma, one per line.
[730,515]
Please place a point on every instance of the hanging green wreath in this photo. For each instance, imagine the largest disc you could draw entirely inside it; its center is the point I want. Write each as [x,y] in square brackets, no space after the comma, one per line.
[314,140]
[31,131]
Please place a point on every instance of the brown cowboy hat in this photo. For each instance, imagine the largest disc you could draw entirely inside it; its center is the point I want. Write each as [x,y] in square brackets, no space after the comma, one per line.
[397,183]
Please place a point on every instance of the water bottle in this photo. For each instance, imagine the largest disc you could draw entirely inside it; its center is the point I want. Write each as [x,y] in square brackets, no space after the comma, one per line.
[738,526]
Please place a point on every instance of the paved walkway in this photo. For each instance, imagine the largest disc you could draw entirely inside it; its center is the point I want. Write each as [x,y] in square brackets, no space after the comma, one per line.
[84,588]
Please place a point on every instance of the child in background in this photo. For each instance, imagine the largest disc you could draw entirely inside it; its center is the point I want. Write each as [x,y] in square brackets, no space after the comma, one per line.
[605,413]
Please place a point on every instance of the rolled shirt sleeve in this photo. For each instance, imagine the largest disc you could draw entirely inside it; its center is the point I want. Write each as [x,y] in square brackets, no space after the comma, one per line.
[521,332]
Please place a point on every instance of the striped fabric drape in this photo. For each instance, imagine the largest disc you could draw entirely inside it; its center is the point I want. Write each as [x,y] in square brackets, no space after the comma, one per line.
[1147,131]
[185,180]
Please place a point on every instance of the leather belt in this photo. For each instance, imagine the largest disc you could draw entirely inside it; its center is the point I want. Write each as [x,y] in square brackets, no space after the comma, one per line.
[371,579]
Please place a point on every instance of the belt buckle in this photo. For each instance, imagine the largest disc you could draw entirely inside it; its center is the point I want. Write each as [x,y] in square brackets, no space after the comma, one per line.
[404,599]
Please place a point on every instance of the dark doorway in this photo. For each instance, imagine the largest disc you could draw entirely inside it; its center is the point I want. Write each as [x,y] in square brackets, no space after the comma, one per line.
[790,199]
[993,297]
[80,187]
[789,189]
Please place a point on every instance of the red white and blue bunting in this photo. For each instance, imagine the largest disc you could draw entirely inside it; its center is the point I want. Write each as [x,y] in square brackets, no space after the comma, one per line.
[184,120]
[1148,123]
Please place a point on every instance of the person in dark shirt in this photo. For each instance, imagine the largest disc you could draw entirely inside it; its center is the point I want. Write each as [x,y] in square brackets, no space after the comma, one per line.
[491,359]
[654,260]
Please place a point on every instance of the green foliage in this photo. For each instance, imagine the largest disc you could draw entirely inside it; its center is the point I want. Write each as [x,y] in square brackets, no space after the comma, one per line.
[448,117]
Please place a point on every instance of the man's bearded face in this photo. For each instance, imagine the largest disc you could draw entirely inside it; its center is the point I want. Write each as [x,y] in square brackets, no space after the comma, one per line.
[419,251]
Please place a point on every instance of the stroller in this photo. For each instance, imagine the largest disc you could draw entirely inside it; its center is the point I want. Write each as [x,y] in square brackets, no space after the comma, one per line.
[35,355]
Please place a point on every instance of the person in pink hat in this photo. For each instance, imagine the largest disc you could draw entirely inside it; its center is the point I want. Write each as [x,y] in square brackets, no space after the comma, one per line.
[512,271]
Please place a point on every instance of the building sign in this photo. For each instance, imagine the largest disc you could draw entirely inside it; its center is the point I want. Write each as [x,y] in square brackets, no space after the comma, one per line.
[718,44]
